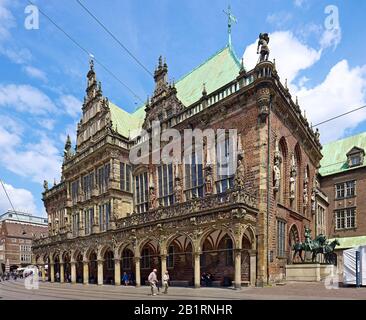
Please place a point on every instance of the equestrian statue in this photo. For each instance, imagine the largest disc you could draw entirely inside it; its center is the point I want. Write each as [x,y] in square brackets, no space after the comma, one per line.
[319,245]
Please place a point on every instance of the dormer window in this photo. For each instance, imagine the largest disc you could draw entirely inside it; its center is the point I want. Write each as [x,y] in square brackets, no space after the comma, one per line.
[355,157]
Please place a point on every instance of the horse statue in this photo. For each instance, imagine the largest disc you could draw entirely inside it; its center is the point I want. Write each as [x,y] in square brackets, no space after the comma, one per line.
[329,255]
[309,246]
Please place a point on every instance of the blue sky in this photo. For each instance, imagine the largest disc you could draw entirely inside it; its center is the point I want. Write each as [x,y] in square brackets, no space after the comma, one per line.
[42,73]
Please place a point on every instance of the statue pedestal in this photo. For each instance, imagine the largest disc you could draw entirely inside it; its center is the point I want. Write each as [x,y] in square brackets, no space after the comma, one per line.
[310,272]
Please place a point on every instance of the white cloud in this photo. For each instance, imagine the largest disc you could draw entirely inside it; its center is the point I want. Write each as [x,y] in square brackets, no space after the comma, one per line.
[279,19]
[331,38]
[300,3]
[48,124]
[22,199]
[343,89]
[36,73]
[7,20]
[71,104]
[36,161]
[291,55]
[25,98]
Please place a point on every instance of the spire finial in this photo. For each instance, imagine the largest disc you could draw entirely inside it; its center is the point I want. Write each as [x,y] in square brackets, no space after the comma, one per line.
[231,19]
[204,91]
[160,62]
[91,61]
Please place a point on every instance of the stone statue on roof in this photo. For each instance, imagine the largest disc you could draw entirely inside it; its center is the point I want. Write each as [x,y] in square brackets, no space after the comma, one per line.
[263,44]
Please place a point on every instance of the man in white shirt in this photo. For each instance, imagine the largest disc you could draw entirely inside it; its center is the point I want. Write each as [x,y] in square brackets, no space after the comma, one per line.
[166,282]
[153,280]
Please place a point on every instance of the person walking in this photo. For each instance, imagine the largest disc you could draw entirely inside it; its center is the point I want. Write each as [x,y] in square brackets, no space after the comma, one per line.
[166,282]
[153,280]
[125,279]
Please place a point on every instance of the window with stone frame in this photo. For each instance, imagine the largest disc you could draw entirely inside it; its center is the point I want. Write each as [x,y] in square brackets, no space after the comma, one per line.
[281,238]
[110,260]
[74,191]
[88,185]
[75,224]
[355,157]
[145,258]
[88,218]
[345,189]
[345,218]
[125,177]
[229,258]
[104,216]
[170,257]
[127,258]
[141,192]
[165,184]
[193,169]
[103,178]
[225,164]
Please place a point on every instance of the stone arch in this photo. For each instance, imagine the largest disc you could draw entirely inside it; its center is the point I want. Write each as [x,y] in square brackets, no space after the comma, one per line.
[127,265]
[121,246]
[91,256]
[78,258]
[207,232]
[66,259]
[56,258]
[299,178]
[293,237]
[149,251]
[250,234]
[217,255]
[283,149]
[180,258]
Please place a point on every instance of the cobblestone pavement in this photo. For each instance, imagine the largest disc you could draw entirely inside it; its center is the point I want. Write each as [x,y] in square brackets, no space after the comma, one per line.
[11,290]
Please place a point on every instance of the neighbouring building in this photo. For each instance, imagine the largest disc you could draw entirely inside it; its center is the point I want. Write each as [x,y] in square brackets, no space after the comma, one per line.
[343,179]
[108,216]
[17,230]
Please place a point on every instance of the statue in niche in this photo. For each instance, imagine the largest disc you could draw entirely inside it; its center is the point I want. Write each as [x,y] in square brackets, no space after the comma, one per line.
[208,179]
[293,174]
[305,192]
[45,185]
[240,173]
[178,190]
[152,197]
[276,167]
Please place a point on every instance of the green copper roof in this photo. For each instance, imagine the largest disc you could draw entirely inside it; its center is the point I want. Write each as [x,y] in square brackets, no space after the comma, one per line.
[334,154]
[350,242]
[215,72]
[123,122]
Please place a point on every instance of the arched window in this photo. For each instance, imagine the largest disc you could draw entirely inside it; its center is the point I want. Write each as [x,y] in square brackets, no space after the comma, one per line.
[283,166]
[299,179]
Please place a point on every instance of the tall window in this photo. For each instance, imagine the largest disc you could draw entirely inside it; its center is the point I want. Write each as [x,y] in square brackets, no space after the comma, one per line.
[103,178]
[345,189]
[320,221]
[125,177]
[229,252]
[75,224]
[145,258]
[109,260]
[88,185]
[170,258]
[225,165]
[141,192]
[127,259]
[74,191]
[104,216]
[281,238]
[165,178]
[345,218]
[89,215]
[194,175]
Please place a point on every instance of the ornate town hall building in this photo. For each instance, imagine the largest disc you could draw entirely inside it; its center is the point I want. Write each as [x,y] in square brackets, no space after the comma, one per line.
[108,216]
